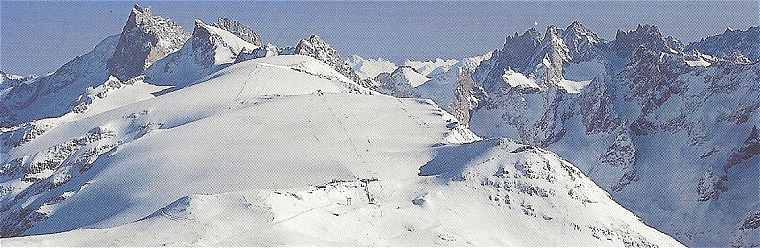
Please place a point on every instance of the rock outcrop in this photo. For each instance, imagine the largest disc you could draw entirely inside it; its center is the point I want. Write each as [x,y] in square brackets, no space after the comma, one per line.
[144,39]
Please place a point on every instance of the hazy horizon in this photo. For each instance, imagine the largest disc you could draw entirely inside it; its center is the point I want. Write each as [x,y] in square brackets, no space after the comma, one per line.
[39,37]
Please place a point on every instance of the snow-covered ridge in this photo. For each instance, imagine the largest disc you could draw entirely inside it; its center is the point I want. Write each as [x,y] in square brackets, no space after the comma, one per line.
[208,50]
[51,95]
[731,42]
[499,193]
[294,145]
[610,113]
[431,68]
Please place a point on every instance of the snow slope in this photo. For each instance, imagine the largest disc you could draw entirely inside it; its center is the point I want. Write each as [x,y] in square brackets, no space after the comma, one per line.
[276,151]
[51,95]
[494,192]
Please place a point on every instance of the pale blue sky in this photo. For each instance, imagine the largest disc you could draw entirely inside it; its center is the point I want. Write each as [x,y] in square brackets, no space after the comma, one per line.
[39,37]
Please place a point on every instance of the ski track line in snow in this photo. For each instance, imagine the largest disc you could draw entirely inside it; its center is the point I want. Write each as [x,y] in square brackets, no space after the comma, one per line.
[359,157]
[245,85]
[419,122]
[301,213]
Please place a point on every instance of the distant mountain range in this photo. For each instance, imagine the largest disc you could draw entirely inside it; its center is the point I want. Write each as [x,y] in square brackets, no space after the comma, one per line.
[160,136]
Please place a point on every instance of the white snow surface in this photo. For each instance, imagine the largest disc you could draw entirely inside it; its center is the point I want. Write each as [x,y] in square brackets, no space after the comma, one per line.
[368,68]
[432,68]
[412,77]
[276,151]
[520,81]
[489,193]
[441,87]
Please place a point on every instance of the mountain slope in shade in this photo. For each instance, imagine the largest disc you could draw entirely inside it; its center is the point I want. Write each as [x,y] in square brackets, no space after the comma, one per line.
[400,82]
[730,43]
[239,29]
[51,95]
[8,81]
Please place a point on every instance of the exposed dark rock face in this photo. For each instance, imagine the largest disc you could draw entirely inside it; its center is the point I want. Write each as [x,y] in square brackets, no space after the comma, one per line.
[144,39]
[647,36]
[582,44]
[465,99]
[261,52]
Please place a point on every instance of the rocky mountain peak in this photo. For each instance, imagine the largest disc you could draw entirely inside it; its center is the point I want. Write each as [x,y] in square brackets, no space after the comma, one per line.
[577,27]
[316,47]
[725,45]
[144,39]
[4,75]
[649,36]
[206,38]
[209,49]
[552,55]
[582,43]
[400,82]
[239,29]
[137,9]
[202,39]
[518,49]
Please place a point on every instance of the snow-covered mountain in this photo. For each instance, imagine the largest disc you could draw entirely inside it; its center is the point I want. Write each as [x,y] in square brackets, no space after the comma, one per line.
[208,50]
[400,82]
[51,95]
[144,39]
[316,47]
[730,44]
[431,68]
[388,168]
[370,68]
[560,138]
[8,81]
[669,134]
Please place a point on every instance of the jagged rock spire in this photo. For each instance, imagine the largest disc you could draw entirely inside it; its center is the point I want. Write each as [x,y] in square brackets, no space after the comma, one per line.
[239,29]
[144,39]
[646,35]
[730,42]
[518,49]
[552,55]
[582,44]
[465,99]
